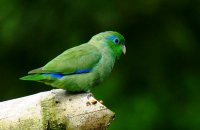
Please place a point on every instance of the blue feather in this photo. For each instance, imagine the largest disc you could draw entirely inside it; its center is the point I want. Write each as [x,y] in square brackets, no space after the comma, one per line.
[114,39]
[59,75]
[56,75]
[82,71]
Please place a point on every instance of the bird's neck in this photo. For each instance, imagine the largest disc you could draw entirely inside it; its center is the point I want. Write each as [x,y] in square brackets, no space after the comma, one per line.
[105,49]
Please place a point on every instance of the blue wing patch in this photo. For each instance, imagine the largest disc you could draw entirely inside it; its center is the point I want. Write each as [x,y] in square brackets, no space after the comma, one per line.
[59,75]
[82,71]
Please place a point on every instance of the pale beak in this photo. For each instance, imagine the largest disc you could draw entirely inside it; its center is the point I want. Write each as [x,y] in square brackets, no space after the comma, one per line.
[124,49]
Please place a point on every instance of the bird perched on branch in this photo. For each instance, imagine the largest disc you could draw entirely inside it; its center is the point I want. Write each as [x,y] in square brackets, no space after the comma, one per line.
[80,68]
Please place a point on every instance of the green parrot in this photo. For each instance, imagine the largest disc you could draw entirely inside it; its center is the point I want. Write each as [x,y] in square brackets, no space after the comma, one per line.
[80,68]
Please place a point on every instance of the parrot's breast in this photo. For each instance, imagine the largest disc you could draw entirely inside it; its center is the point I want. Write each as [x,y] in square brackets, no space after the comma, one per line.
[105,65]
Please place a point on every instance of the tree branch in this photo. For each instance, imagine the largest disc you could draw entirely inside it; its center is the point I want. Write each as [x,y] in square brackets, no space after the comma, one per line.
[54,110]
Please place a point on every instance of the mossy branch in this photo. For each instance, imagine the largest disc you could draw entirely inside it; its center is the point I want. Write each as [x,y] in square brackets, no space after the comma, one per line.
[54,110]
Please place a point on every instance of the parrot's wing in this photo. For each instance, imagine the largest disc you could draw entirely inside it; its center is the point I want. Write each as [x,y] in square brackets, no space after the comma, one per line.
[75,60]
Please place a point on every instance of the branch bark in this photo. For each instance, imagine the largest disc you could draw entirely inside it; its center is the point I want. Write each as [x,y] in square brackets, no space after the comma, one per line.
[54,110]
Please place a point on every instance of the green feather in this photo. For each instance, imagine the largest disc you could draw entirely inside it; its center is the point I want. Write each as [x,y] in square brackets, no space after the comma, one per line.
[98,56]
[34,77]
[85,56]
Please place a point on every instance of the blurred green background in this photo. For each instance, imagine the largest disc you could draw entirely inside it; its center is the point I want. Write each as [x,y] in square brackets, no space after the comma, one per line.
[155,86]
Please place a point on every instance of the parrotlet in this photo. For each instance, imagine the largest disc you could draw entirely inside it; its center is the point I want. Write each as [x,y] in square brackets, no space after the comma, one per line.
[82,67]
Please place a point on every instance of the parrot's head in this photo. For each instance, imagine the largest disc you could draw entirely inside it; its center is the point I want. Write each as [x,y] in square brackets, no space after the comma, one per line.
[114,40]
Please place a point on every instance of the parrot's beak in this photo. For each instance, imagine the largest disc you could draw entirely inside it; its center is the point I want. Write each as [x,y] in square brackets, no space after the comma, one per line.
[124,49]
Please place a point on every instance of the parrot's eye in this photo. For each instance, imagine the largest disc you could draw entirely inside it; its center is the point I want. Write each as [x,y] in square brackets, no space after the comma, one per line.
[116,41]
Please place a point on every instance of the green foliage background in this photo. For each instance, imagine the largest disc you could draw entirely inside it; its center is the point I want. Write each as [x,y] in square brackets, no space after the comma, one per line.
[155,85]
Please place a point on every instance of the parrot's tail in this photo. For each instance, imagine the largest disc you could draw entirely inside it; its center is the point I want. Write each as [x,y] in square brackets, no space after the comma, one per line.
[33,77]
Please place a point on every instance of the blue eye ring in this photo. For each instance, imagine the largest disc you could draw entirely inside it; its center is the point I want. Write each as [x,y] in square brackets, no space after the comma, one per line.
[116,40]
